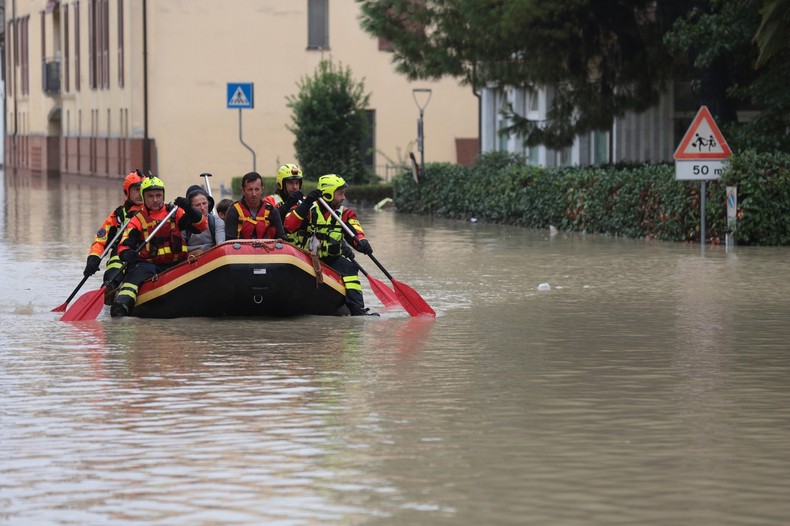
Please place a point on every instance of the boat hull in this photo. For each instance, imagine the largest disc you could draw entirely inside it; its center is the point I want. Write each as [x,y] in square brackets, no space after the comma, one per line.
[244,278]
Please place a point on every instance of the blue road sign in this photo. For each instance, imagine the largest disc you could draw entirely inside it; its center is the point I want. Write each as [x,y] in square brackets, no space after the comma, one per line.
[240,95]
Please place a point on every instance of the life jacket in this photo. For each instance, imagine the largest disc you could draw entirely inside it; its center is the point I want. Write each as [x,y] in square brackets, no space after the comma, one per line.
[257,227]
[167,246]
[110,227]
[297,238]
[327,231]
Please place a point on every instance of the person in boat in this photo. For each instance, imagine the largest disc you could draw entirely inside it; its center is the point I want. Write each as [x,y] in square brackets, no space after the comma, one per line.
[214,234]
[287,195]
[222,208]
[250,217]
[327,238]
[164,250]
[289,189]
[132,203]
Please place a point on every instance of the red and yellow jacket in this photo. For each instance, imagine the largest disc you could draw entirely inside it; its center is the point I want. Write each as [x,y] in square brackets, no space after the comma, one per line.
[322,225]
[167,246]
[110,227]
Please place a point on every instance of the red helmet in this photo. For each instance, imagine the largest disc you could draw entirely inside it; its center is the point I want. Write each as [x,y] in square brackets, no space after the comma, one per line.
[133,179]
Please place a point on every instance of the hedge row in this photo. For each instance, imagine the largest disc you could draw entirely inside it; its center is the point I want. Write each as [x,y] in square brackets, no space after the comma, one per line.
[637,201]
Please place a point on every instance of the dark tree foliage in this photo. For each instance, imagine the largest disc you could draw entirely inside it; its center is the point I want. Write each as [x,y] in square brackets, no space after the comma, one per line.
[601,57]
[330,124]
[714,45]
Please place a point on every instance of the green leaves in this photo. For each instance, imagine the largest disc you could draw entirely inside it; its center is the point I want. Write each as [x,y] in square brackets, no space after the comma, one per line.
[638,200]
[330,123]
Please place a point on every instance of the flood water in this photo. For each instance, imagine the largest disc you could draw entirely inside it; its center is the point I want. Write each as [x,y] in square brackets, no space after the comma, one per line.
[649,385]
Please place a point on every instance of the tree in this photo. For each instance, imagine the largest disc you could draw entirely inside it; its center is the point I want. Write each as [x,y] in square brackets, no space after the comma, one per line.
[714,44]
[330,123]
[772,35]
[602,57]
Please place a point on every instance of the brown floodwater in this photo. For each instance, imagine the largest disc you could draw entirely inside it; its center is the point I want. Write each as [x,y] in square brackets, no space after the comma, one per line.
[567,379]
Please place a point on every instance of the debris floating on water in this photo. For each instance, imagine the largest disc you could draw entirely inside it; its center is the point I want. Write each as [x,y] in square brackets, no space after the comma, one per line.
[473,220]
[544,286]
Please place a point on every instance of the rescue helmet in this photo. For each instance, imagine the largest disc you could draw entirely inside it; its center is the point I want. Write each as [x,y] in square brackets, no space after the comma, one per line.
[152,183]
[328,184]
[288,172]
[133,179]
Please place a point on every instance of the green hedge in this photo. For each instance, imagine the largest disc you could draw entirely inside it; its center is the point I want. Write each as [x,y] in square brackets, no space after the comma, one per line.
[637,201]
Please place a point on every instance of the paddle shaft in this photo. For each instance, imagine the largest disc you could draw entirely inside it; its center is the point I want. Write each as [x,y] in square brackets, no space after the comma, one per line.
[88,309]
[350,233]
[107,250]
[208,185]
[408,297]
[149,238]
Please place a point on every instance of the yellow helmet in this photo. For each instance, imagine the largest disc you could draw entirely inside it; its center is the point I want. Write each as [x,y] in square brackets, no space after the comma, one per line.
[287,172]
[152,183]
[328,184]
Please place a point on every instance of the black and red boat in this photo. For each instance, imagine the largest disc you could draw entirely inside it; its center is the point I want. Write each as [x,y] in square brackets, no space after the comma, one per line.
[244,278]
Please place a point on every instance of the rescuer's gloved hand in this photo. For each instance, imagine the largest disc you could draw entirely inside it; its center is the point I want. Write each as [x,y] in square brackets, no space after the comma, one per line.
[91,266]
[347,252]
[183,203]
[128,256]
[294,198]
[364,246]
[313,195]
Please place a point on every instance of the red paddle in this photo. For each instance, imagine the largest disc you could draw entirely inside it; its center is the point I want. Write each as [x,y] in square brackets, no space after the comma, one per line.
[385,294]
[408,297]
[107,249]
[90,304]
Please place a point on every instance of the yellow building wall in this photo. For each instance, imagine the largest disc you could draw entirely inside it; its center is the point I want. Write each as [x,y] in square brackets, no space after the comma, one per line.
[195,47]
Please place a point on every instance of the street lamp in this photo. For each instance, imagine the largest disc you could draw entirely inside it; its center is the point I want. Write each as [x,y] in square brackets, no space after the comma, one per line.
[421,97]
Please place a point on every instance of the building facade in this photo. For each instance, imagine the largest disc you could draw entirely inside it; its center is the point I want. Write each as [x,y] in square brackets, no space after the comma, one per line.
[650,136]
[99,87]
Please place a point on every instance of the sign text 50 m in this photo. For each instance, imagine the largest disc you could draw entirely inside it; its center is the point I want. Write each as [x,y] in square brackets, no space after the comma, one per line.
[694,170]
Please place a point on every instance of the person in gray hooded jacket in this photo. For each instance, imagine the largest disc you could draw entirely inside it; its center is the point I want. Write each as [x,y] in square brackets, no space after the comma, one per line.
[215,233]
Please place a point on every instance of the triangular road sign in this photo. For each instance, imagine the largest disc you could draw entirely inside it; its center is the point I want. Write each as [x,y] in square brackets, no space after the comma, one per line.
[239,98]
[703,140]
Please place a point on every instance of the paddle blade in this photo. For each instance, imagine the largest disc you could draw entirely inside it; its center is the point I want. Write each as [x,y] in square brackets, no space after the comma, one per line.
[87,307]
[385,294]
[411,301]
[60,308]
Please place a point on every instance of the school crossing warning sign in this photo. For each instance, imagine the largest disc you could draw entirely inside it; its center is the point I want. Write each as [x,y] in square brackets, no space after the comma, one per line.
[703,150]
[703,140]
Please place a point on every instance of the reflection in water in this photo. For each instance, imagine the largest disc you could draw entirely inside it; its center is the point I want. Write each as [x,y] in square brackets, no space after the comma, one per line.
[648,385]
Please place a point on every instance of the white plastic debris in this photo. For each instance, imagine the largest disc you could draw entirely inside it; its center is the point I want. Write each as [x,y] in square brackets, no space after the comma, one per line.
[473,220]
[544,286]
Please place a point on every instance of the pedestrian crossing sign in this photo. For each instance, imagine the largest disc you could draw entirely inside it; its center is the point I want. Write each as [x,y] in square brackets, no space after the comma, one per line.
[703,140]
[240,95]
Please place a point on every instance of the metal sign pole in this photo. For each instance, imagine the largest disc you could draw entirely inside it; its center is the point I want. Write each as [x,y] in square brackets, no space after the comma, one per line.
[702,214]
[246,145]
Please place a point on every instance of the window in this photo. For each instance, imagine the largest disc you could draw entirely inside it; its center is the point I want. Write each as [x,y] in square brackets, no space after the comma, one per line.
[120,43]
[24,57]
[99,44]
[9,63]
[43,36]
[386,45]
[317,24]
[77,46]
[600,147]
[66,48]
